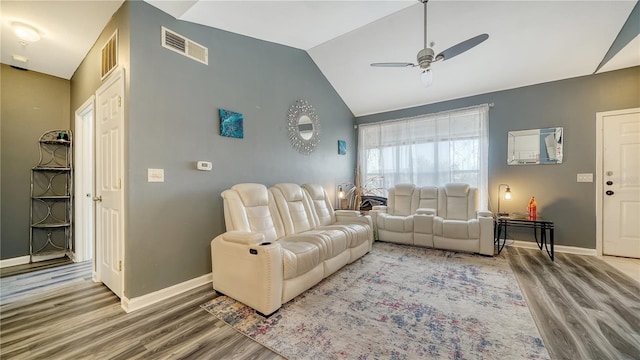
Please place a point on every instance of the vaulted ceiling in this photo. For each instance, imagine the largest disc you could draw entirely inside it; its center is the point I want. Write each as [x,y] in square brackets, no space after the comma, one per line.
[529,42]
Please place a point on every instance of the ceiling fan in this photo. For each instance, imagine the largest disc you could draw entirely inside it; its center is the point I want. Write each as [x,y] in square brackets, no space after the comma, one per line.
[426,55]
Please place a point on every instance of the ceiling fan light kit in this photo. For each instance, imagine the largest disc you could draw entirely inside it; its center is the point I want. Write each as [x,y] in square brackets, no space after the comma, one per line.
[427,56]
[427,78]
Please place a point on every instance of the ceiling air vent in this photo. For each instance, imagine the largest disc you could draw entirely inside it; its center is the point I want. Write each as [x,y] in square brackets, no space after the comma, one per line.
[184,46]
[109,54]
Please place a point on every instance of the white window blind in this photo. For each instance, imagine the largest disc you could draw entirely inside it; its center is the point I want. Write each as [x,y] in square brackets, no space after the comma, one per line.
[433,149]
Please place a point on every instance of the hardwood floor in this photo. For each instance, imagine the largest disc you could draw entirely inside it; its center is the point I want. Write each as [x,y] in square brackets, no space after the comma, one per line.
[25,285]
[584,309]
[36,266]
[84,320]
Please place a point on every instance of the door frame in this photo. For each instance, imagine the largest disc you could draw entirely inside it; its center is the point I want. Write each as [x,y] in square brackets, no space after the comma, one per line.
[115,76]
[83,249]
[600,119]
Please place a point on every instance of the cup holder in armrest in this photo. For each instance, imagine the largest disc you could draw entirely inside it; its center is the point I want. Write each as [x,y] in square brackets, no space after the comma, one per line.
[265,243]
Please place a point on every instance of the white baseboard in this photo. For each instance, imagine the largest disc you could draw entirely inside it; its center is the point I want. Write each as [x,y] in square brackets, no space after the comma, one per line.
[137,303]
[556,248]
[21,260]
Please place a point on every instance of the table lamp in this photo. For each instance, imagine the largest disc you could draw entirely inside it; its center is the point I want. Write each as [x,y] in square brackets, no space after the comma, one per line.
[507,196]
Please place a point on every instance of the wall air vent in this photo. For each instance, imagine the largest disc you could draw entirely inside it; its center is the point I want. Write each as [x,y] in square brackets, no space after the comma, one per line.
[109,54]
[184,46]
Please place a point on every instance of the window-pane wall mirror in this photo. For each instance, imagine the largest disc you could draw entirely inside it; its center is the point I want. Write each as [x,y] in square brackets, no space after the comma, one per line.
[535,146]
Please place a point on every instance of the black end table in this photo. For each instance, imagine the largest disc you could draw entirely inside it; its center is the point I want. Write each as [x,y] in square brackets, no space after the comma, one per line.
[538,224]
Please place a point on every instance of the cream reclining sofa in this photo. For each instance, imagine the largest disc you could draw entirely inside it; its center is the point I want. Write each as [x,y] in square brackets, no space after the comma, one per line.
[281,241]
[445,217]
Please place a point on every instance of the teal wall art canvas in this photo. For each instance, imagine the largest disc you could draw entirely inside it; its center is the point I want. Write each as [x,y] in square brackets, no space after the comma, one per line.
[231,124]
[342,147]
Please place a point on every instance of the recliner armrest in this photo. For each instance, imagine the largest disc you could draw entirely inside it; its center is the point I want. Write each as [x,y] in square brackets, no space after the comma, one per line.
[243,237]
[363,219]
[485,214]
[347,213]
[380,208]
[251,273]
[426,211]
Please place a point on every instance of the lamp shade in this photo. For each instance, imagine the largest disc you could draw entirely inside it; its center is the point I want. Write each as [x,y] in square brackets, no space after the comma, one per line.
[507,194]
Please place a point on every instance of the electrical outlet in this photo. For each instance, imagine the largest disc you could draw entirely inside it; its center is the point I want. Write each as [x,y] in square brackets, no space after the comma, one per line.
[585,177]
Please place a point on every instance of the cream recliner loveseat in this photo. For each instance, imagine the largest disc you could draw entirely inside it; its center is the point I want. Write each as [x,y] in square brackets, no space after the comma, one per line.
[408,216]
[281,241]
[445,217]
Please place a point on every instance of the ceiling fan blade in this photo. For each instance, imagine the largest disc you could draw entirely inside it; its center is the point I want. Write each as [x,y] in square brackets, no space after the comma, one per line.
[393,64]
[461,47]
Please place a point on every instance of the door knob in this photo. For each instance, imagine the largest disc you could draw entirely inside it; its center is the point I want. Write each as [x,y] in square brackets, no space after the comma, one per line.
[98,199]
[609,192]
[609,182]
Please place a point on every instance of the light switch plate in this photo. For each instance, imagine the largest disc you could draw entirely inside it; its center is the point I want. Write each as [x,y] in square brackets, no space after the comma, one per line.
[155,175]
[585,177]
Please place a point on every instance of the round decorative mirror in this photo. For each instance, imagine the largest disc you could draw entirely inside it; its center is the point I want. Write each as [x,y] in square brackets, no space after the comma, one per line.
[304,127]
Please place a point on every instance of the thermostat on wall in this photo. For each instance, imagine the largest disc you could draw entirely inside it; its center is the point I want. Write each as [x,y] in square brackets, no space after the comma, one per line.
[204,166]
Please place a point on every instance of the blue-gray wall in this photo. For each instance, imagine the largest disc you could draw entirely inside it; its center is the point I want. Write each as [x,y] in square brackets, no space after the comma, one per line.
[571,104]
[173,122]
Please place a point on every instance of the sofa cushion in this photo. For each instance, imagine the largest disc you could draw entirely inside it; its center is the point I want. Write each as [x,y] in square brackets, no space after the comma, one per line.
[325,217]
[293,208]
[395,223]
[403,200]
[247,207]
[324,214]
[456,229]
[458,190]
[252,194]
[457,202]
[428,197]
[298,257]
[330,242]
[404,189]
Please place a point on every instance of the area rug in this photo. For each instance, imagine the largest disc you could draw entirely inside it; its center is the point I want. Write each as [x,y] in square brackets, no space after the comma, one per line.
[400,302]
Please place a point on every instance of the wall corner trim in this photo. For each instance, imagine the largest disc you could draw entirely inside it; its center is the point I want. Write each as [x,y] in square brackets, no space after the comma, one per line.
[140,302]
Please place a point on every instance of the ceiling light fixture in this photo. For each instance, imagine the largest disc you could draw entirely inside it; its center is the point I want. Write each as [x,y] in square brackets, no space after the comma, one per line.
[25,32]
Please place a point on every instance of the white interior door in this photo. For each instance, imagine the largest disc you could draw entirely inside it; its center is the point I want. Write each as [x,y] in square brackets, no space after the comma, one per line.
[621,184]
[84,182]
[109,194]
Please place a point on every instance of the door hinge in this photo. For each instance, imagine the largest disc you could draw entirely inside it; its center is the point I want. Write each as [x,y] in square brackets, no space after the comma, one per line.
[119,101]
[120,265]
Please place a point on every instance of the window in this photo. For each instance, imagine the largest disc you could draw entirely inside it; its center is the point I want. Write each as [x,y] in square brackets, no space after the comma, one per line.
[432,149]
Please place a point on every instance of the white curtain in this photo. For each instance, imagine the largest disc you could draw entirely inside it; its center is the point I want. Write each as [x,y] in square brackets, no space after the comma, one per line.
[432,149]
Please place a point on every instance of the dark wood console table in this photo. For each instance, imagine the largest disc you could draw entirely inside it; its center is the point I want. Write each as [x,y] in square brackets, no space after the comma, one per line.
[538,224]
